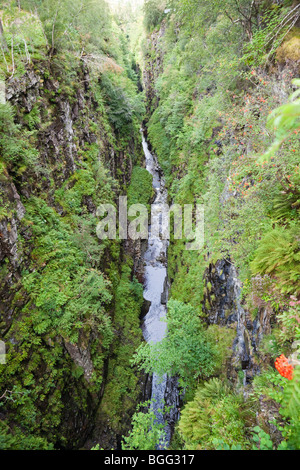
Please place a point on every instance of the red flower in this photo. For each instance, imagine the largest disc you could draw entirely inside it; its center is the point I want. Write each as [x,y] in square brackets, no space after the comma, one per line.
[284,367]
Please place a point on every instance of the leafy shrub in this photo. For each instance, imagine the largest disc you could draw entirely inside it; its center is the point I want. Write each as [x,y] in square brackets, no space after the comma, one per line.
[265,41]
[122,389]
[284,119]
[262,440]
[153,10]
[140,189]
[186,350]
[147,433]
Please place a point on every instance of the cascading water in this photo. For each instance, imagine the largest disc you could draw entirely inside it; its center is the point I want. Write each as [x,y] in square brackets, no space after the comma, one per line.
[155,259]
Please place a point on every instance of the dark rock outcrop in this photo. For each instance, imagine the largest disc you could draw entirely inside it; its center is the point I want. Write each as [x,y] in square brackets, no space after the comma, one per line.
[223,306]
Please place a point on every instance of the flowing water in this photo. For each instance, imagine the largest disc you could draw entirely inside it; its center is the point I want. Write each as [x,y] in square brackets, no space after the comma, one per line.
[155,259]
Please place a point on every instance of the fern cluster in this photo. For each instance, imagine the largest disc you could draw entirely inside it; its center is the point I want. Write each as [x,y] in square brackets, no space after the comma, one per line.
[278,255]
[286,206]
[215,413]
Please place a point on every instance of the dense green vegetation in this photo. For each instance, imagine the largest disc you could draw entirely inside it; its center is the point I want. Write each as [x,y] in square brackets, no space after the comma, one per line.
[221,109]
[74,299]
[146,432]
[187,351]
[223,119]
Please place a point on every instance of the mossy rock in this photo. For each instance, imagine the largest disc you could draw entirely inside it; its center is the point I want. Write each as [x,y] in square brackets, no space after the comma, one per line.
[227,313]
[290,48]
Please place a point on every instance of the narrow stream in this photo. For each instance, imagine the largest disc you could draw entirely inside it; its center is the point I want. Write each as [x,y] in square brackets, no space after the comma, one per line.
[155,259]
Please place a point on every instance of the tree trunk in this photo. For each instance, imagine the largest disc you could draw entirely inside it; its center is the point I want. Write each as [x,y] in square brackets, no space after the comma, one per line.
[2,38]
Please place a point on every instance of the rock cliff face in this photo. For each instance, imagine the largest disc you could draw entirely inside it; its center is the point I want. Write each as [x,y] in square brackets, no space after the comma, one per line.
[68,124]
[223,306]
[58,153]
[66,121]
[9,227]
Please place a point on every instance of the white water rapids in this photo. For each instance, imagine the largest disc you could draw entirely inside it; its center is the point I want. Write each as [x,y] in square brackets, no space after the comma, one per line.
[155,259]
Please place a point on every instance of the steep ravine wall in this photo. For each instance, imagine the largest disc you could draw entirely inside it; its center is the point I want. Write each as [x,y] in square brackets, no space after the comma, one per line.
[222,305]
[56,144]
[222,302]
[69,124]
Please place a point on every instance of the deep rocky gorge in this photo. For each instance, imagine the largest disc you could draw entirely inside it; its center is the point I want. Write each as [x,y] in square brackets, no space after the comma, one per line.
[186,125]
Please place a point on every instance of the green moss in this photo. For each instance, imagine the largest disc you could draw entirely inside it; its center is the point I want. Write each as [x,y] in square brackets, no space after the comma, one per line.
[290,48]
